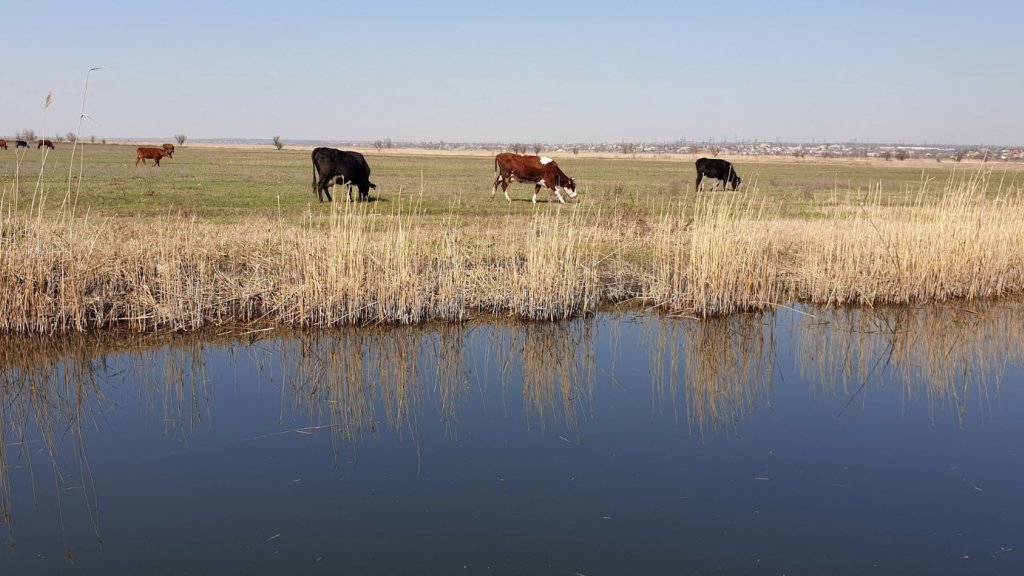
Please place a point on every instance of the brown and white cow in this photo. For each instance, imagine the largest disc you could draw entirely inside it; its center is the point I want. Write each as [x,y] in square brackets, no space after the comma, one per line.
[143,153]
[47,143]
[3,143]
[538,170]
[170,150]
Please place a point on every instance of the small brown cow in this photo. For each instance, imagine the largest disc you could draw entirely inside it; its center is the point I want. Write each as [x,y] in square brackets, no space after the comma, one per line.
[3,143]
[155,154]
[538,170]
[170,150]
[47,143]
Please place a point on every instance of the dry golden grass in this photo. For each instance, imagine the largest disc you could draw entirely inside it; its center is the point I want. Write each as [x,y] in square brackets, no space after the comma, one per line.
[868,250]
[965,245]
[707,254]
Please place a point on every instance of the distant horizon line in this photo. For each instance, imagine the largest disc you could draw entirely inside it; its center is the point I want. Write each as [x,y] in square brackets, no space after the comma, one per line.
[420,143]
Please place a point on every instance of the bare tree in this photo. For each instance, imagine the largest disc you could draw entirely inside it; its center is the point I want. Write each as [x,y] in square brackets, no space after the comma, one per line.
[958,155]
[180,138]
[387,143]
[58,137]
[93,139]
[277,142]
[575,150]
[902,154]
[715,150]
[537,148]
[887,155]
[626,147]
[518,148]
[27,135]
[379,144]
[71,137]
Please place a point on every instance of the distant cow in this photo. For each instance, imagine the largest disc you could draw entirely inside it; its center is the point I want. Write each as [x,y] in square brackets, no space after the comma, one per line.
[20,144]
[3,143]
[332,166]
[719,169]
[47,143]
[170,150]
[537,170]
[143,153]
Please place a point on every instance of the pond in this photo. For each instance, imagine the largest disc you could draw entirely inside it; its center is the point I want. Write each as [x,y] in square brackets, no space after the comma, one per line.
[803,441]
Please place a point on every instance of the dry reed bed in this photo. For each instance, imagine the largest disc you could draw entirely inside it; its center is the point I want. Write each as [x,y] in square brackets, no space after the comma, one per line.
[718,254]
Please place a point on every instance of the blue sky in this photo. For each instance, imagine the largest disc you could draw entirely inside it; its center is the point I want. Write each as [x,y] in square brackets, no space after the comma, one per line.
[909,72]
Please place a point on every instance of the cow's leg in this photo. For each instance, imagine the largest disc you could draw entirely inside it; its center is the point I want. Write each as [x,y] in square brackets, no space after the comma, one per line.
[157,160]
[536,190]
[700,176]
[138,159]
[322,188]
[558,195]
[504,182]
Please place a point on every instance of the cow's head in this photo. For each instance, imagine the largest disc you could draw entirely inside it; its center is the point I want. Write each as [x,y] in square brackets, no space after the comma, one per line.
[735,181]
[571,188]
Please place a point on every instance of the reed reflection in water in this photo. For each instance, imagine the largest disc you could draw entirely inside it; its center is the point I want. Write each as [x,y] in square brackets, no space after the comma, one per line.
[359,384]
[952,354]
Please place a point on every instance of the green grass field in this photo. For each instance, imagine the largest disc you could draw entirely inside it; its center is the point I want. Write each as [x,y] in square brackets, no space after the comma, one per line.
[230,184]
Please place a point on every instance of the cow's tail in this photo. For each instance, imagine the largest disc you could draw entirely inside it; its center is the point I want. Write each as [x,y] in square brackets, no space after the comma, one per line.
[314,174]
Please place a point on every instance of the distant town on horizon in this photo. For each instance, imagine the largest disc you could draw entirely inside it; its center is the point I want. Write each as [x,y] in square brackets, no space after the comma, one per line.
[897,151]
[777,148]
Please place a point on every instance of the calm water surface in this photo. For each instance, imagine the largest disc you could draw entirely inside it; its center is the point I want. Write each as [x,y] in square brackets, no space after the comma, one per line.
[799,442]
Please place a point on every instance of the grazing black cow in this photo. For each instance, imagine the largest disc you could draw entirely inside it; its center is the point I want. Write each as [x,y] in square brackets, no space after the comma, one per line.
[332,166]
[20,144]
[719,169]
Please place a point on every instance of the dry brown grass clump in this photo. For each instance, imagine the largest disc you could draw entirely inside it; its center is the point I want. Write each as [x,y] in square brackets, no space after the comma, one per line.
[349,267]
[907,249]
